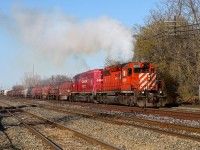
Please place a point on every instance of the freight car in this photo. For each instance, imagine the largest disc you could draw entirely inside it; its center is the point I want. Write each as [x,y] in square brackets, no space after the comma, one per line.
[33,90]
[25,92]
[45,91]
[65,90]
[53,92]
[10,93]
[38,92]
[1,92]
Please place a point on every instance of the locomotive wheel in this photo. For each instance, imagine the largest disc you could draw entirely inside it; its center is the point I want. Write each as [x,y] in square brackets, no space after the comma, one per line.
[72,98]
[99,99]
[68,98]
[141,103]
[162,102]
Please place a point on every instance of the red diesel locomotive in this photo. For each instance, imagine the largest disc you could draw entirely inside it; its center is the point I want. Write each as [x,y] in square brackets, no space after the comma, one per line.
[133,83]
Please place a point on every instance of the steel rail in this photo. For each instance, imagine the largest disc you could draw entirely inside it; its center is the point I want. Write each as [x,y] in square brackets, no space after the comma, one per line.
[156,123]
[175,113]
[76,133]
[97,115]
[124,118]
[47,141]
[170,113]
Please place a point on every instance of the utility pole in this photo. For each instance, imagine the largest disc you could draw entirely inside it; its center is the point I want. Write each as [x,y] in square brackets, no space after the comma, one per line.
[175,26]
[33,76]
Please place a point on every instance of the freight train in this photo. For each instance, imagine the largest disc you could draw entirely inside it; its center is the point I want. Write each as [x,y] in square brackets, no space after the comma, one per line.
[133,84]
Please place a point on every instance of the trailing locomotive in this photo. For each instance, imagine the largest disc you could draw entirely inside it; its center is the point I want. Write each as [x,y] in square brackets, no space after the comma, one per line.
[133,84]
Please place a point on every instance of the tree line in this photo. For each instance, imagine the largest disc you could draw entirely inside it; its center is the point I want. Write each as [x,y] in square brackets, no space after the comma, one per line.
[30,80]
[170,39]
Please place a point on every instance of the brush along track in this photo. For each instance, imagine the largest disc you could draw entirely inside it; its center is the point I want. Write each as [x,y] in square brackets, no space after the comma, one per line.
[73,132]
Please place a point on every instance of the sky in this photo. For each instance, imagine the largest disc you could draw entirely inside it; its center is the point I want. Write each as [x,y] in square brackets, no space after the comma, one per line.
[65,36]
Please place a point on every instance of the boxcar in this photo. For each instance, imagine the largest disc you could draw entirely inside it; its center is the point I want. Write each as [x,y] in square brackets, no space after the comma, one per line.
[25,92]
[53,92]
[38,92]
[33,92]
[65,90]
[45,91]
[10,93]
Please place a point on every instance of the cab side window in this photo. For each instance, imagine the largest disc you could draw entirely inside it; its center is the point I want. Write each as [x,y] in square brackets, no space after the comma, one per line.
[129,71]
[137,70]
[152,70]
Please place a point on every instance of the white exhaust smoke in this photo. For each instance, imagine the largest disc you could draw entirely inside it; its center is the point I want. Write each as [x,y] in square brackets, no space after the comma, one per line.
[58,36]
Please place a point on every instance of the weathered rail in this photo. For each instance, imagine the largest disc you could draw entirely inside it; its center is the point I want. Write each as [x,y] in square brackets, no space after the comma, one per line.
[158,125]
[178,114]
[47,141]
[76,133]
[153,124]
[162,112]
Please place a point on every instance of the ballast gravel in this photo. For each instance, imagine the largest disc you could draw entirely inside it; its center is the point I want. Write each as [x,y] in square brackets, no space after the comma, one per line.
[190,123]
[16,137]
[118,135]
[121,136]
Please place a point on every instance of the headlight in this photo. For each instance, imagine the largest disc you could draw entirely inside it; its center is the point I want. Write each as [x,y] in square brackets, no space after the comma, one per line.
[142,92]
[160,92]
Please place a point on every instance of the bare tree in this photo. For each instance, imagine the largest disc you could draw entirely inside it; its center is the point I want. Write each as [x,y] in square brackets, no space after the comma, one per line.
[31,80]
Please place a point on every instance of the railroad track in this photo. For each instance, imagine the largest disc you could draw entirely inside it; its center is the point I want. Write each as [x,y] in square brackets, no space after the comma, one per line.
[178,114]
[46,140]
[56,125]
[160,127]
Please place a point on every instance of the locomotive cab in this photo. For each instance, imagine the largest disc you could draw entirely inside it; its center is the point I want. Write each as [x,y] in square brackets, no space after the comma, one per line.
[140,76]
[140,79]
